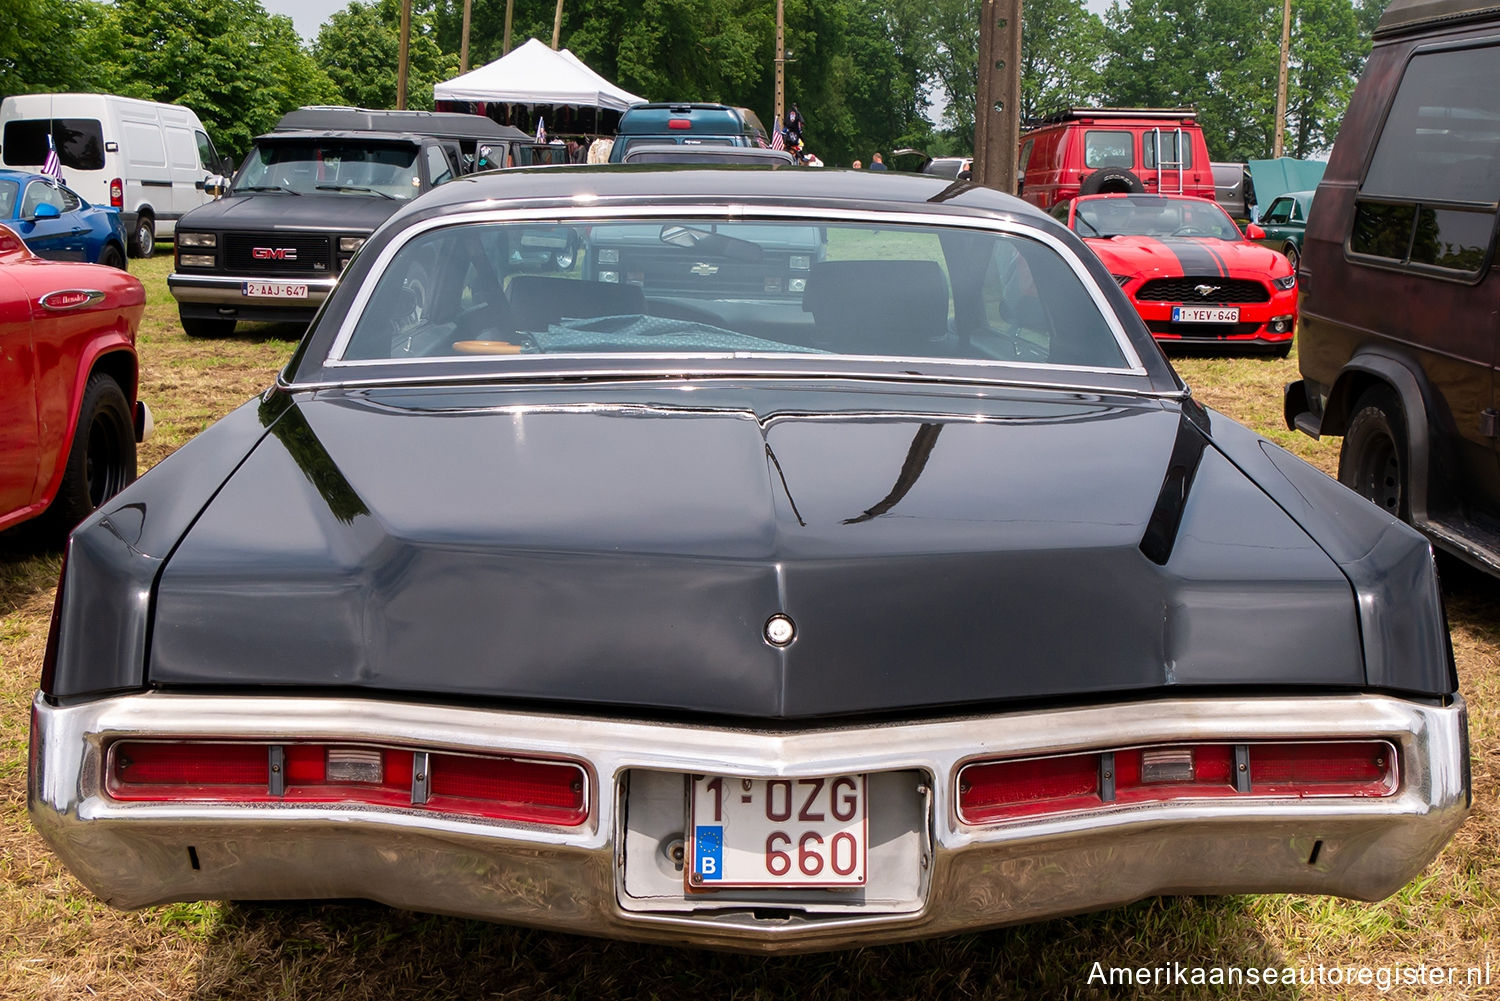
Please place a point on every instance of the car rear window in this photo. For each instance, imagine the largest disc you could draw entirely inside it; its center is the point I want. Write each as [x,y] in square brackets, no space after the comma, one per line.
[711,288]
[79,142]
[1108,149]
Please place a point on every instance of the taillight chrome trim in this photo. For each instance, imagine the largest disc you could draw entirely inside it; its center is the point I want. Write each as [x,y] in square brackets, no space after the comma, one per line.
[277,785]
[1239,783]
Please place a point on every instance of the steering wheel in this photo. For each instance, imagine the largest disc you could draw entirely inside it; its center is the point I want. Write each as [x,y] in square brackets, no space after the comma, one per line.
[1187,231]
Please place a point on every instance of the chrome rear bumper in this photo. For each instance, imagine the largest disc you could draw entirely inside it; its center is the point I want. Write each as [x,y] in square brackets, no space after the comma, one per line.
[575,880]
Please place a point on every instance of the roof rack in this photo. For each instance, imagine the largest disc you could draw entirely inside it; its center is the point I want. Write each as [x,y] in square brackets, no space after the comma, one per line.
[1072,114]
[1404,16]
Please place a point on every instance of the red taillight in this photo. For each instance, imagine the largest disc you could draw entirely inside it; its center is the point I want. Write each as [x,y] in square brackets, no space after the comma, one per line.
[679,123]
[1022,788]
[1002,790]
[147,771]
[543,792]
[539,791]
[117,193]
[1329,769]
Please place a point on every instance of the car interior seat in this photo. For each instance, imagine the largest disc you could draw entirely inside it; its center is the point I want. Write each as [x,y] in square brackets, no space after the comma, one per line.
[878,307]
[538,301]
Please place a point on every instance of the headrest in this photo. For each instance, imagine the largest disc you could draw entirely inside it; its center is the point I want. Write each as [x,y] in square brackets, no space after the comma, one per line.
[878,307]
[538,301]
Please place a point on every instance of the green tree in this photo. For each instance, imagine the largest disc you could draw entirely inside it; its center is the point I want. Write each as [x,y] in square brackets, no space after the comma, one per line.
[855,66]
[1062,51]
[1219,56]
[358,48]
[40,51]
[238,67]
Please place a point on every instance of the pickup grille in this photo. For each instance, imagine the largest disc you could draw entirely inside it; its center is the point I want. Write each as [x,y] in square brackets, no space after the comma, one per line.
[289,254]
[1184,290]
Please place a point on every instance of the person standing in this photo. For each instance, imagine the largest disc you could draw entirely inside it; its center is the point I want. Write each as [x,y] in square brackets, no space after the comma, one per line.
[876,163]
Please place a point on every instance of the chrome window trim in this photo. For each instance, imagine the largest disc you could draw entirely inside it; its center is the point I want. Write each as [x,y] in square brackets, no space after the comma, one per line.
[738,213]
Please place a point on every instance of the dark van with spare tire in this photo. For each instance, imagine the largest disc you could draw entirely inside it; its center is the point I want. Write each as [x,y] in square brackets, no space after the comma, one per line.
[1093,151]
[1401,300]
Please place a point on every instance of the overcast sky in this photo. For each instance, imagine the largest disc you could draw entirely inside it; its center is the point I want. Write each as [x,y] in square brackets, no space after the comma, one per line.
[307,15]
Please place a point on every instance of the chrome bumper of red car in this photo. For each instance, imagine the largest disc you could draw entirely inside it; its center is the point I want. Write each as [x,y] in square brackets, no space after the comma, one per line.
[930,873]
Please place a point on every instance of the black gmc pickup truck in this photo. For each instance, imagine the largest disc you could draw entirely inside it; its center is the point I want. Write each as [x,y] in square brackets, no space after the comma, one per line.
[305,199]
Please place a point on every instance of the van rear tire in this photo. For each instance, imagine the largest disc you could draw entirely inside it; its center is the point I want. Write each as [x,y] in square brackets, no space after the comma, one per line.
[1111,180]
[1372,460]
[143,240]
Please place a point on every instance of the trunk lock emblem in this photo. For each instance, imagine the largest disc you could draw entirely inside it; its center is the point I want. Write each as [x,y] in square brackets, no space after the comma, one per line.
[780,630]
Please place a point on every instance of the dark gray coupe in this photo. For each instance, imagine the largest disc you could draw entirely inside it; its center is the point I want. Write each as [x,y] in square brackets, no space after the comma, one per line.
[750,559]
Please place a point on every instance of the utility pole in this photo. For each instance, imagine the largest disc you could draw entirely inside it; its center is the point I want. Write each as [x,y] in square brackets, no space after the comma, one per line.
[405,52]
[780,63]
[463,48]
[1278,141]
[557,24]
[997,102]
[510,9]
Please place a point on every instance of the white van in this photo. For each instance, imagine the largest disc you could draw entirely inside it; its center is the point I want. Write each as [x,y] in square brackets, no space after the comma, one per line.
[151,161]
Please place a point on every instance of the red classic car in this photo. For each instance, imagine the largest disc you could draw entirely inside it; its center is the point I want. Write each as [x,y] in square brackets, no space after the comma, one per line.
[1188,270]
[69,418]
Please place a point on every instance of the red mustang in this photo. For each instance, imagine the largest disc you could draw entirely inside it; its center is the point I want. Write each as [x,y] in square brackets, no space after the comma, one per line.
[69,418]
[1188,270]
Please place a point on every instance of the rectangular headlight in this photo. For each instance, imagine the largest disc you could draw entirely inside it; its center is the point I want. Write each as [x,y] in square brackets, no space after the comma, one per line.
[609,256]
[197,240]
[349,244]
[196,260]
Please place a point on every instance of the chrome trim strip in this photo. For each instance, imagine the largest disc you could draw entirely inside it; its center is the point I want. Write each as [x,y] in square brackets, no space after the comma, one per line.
[650,375]
[134,854]
[738,213]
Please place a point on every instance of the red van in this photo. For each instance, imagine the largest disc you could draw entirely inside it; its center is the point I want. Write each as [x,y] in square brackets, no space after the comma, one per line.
[1092,151]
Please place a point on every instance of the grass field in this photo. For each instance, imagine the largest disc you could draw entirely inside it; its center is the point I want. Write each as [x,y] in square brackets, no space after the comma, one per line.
[58,941]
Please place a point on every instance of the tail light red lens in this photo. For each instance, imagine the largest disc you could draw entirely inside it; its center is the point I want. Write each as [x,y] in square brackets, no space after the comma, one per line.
[117,193]
[679,123]
[542,792]
[990,791]
[1022,788]
[1345,768]
[539,791]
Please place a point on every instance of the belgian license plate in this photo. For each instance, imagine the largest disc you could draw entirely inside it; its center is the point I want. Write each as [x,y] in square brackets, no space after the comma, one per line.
[777,832]
[274,290]
[1205,314]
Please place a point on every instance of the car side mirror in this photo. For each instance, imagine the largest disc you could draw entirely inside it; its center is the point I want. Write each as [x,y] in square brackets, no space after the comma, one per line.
[46,211]
[1254,232]
[226,167]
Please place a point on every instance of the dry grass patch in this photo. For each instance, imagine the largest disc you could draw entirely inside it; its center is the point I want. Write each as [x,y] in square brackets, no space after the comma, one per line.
[59,942]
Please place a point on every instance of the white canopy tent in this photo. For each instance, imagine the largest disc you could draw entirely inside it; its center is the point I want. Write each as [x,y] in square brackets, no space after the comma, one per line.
[535,74]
